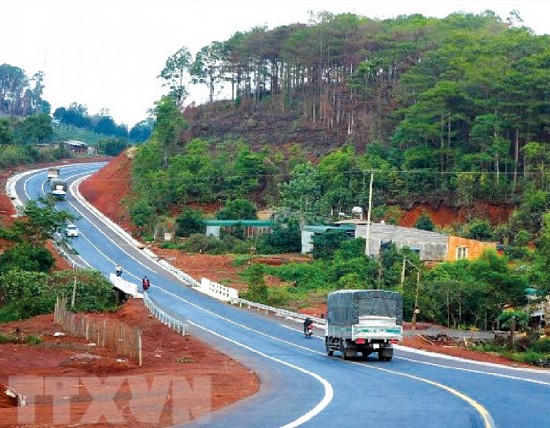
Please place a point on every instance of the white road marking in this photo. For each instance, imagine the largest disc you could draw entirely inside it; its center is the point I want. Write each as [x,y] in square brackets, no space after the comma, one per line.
[329,393]
[505,376]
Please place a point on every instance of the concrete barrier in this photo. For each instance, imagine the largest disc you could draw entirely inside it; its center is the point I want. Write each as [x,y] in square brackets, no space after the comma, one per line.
[218,291]
[125,286]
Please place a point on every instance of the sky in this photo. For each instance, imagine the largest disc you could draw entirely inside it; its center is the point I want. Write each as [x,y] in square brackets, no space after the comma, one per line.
[107,54]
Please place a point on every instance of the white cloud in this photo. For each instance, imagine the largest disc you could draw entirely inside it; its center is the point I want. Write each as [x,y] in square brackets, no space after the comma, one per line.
[108,53]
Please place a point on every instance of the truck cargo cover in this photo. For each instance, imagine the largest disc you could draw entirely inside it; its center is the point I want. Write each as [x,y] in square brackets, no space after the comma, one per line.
[346,306]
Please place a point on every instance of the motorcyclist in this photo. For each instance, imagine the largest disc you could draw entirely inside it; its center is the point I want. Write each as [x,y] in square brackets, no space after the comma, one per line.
[307,322]
[145,283]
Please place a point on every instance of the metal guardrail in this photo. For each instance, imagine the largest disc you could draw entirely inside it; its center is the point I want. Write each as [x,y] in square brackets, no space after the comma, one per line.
[283,313]
[178,325]
[175,324]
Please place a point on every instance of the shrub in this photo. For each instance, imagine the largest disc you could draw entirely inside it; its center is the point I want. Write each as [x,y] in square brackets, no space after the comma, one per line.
[33,340]
[189,222]
[27,258]
[284,238]
[542,346]
[239,209]
[199,243]
[424,222]
[480,230]
[257,290]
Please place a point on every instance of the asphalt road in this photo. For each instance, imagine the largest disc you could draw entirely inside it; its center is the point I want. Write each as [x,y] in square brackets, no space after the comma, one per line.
[300,385]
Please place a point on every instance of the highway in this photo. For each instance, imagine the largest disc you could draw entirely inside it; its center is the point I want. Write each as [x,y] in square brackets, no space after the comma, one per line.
[300,385]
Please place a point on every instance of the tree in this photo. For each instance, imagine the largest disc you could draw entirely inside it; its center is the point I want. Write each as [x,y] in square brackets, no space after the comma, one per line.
[143,215]
[34,129]
[112,146]
[27,258]
[208,66]
[169,126]
[480,230]
[284,238]
[257,290]
[326,244]
[424,222]
[541,273]
[302,192]
[6,133]
[189,222]
[40,220]
[141,131]
[13,83]
[238,209]
[174,73]
[513,319]
[76,115]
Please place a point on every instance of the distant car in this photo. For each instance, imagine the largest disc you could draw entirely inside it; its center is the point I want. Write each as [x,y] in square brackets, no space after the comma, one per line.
[71,230]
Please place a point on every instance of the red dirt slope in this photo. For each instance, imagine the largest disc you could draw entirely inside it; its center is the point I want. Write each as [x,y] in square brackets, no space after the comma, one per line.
[109,187]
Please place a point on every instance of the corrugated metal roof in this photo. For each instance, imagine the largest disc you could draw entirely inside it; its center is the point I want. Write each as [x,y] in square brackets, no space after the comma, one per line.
[323,229]
[252,223]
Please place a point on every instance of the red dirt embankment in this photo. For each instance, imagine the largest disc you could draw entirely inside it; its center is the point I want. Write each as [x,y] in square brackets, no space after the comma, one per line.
[108,188]
[168,359]
[444,216]
[165,352]
[221,269]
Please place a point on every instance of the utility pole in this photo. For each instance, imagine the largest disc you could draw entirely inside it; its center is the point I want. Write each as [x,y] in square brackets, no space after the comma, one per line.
[416,310]
[367,243]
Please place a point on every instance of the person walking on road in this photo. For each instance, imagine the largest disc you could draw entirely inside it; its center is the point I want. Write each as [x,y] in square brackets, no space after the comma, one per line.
[118,270]
[145,283]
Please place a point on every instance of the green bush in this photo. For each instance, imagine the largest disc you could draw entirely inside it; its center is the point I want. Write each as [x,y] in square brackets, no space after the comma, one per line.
[7,339]
[27,258]
[189,222]
[424,222]
[284,238]
[199,243]
[279,297]
[528,357]
[33,340]
[305,276]
[542,346]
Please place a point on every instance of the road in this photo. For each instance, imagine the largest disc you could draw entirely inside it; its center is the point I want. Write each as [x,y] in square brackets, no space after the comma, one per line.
[300,385]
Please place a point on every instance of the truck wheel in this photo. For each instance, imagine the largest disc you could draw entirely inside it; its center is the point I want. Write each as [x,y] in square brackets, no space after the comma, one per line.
[384,355]
[344,350]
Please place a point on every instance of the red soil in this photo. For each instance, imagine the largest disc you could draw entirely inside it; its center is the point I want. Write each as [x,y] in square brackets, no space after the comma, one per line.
[445,216]
[165,352]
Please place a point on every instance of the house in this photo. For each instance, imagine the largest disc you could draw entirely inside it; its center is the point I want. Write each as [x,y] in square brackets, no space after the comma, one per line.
[76,146]
[430,246]
[251,227]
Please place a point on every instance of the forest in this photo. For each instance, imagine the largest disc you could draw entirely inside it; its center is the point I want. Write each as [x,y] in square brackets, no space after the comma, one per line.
[450,111]
[442,111]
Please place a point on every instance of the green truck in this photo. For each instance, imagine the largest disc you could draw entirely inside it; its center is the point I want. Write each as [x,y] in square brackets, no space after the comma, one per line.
[364,321]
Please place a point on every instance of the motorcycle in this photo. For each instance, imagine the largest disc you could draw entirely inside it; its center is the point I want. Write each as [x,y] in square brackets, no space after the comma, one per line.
[309,331]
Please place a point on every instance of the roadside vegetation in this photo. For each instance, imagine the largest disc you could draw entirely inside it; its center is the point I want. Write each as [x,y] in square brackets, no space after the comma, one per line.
[28,284]
[439,111]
